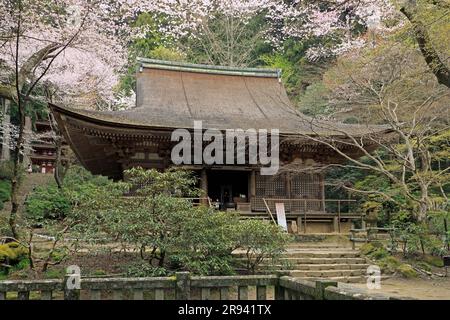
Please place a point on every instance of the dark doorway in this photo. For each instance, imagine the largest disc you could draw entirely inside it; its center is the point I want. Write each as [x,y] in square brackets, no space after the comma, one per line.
[228,187]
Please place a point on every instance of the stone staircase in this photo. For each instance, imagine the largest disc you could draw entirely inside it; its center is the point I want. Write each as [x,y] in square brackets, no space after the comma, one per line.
[325,261]
[331,261]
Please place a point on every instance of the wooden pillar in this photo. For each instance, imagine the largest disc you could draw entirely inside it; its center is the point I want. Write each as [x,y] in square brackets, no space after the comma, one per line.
[288,191]
[322,190]
[299,224]
[335,225]
[204,186]
[252,188]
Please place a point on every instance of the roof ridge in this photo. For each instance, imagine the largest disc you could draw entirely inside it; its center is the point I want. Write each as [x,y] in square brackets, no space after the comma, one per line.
[205,68]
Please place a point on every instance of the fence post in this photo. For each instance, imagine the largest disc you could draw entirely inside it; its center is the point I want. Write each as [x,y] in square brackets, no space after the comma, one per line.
[279,290]
[71,286]
[321,286]
[183,286]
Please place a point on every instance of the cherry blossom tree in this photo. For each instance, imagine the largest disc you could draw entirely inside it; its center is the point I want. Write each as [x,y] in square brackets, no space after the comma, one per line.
[70,46]
[335,20]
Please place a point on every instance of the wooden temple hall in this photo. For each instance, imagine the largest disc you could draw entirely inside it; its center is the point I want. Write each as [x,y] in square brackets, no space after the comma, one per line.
[172,95]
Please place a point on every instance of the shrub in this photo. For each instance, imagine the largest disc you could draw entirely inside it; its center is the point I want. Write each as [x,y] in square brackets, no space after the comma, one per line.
[374,250]
[379,253]
[423,265]
[434,261]
[389,264]
[5,191]
[54,274]
[47,202]
[5,230]
[260,240]
[142,269]
[205,242]
[367,248]
[50,202]
[12,254]
[6,170]
[407,271]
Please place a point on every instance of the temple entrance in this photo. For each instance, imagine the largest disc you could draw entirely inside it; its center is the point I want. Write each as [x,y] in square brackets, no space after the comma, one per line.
[228,188]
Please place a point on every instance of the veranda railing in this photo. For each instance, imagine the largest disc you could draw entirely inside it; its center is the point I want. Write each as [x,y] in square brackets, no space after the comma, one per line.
[307,208]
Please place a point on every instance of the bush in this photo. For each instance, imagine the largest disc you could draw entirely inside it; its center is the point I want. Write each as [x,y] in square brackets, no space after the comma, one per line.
[50,202]
[6,170]
[407,271]
[5,230]
[379,253]
[47,202]
[389,264]
[434,261]
[12,254]
[5,192]
[260,240]
[205,242]
[142,269]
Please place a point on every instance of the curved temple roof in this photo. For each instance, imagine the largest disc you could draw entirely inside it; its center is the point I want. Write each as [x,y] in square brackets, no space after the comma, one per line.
[172,95]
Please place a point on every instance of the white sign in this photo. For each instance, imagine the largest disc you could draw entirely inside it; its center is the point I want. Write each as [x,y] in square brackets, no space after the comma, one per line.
[281,215]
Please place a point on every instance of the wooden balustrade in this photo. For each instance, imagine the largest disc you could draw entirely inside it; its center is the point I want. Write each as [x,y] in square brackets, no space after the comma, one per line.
[302,210]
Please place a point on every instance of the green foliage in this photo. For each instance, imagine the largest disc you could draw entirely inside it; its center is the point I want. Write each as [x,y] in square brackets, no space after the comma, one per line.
[47,202]
[154,45]
[54,274]
[163,53]
[205,242]
[5,230]
[260,240]
[50,202]
[407,271]
[434,261]
[167,229]
[389,264]
[99,272]
[6,170]
[314,101]
[5,191]
[142,269]
[374,250]
[12,254]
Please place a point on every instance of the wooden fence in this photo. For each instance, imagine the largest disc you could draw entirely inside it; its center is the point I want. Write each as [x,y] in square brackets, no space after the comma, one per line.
[179,287]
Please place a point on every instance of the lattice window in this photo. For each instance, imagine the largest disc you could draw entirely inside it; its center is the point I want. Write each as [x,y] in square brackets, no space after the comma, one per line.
[269,187]
[302,186]
[307,186]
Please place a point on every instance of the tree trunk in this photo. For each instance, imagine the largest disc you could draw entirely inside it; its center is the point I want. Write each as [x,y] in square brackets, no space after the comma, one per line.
[57,174]
[15,181]
[434,62]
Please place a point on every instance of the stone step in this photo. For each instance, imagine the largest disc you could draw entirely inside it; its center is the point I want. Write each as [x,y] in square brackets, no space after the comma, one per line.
[317,245]
[352,279]
[299,261]
[321,254]
[318,267]
[340,266]
[326,273]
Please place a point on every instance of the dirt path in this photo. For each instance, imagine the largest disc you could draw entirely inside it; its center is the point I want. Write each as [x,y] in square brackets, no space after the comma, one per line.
[424,289]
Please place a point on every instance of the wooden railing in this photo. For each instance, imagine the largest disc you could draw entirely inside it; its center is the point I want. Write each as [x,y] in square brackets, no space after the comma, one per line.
[179,287]
[303,211]
[201,201]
